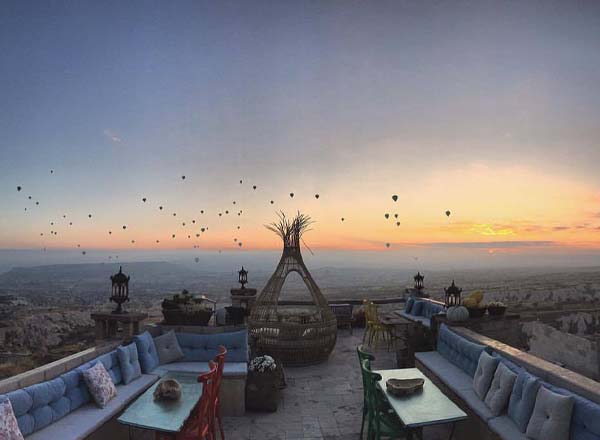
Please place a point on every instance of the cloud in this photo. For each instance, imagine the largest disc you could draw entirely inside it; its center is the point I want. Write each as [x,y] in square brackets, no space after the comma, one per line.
[493,244]
[561,228]
[112,136]
[491,230]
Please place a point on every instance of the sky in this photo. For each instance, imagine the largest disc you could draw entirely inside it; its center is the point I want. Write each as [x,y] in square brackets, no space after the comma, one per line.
[488,109]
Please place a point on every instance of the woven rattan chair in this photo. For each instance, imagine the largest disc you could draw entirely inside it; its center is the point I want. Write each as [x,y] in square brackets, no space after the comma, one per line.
[375,330]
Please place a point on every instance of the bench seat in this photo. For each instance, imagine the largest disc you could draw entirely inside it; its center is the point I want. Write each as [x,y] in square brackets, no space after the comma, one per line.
[82,422]
[231,369]
[420,319]
[506,428]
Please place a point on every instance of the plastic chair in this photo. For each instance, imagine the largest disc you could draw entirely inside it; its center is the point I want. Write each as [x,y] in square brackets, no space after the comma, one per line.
[375,329]
[201,425]
[220,361]
[382,421]
[362,356]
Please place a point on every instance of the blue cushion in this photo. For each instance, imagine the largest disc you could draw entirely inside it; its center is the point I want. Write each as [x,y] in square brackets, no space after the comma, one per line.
[522,399]
[197,347]
[76,389]
[458,350]
[147,355]
[417,308]
[430,309]
[112,365]
[585,421]
[409,304]
[130,365]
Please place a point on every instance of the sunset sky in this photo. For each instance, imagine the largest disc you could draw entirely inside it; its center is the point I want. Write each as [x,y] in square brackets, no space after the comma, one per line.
[488,109]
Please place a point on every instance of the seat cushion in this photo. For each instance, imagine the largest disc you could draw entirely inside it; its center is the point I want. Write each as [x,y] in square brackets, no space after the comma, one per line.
[100,384]
[501,387]
[84,421]
[551,417]
[421,319]
[522,399]
[168,348]
[111,362]
[147,352]
[506,428]
[458,350]
[9,428]
[230,369]
[202,348]
[475,403]
[486,367]
[450,374]
[130,364]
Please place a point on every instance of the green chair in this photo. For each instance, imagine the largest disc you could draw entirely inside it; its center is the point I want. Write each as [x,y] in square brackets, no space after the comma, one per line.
[364,356]
[382,421]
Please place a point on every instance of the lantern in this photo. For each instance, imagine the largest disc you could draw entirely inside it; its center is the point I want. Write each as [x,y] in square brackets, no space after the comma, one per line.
[120,290]
[452,295]
[419,281]
[243,277]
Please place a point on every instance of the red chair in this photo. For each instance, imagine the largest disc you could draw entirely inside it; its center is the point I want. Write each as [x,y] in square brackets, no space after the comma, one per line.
[201,424]
[220,361]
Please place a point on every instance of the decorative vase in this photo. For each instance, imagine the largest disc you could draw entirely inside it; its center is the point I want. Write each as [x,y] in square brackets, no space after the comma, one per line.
[262,390]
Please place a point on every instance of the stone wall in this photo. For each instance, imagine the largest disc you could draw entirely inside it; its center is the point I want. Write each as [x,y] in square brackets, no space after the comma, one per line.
[575,352]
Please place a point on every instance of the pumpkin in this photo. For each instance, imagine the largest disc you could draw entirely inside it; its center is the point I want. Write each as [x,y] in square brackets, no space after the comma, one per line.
[458,313]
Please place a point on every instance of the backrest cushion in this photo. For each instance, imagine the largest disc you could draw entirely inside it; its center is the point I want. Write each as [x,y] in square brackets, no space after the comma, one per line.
[430,309]
[130,364]
[76,390]
[9,428]
[39,405]
[168,348]
[551,417]
[409,304]
[484,373]
[522,399]
[100,384]
[112,365]
[458,350]
[417,308]
[147,354]
[497,396]
[585,421]
[202,348]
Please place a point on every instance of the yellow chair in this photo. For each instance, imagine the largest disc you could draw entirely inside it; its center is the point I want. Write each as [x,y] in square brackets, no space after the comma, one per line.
[375,330]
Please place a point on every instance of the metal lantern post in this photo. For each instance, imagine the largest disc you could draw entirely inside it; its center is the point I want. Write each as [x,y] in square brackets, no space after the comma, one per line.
[243,277]
[120,290]
[419,281]
[452,295]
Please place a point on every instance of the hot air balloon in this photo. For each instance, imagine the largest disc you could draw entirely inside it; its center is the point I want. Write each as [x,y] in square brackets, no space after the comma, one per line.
[174,214]
[182,177]
[272,202]
[240,244]
[89,215]
[253,186]
[395,198]
[397,223]
[109,232]
[124,227]
[19,188]
[173,236]
[144,199]
[83,252]
[316,196]
[201,211]
[343,218]
[183,224]
[396,215]
[386,215]
[196,259]
[29,197]
[160,207]
[448,213]
[292,195]
[387,245]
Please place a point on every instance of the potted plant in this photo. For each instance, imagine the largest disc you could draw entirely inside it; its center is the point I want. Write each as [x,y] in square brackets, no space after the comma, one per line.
[185,309]
[262,384]
[475,305]
[496,308]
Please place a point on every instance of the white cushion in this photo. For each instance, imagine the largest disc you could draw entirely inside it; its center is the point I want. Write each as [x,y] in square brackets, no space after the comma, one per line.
[551,416]
[484,374]
[99,384]
[497,396]
[168,348]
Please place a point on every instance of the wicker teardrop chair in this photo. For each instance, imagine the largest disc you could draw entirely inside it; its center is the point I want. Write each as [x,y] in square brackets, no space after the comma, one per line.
[297,335]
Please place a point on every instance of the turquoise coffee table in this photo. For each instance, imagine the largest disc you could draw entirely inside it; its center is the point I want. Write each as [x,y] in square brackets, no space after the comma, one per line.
[165,418]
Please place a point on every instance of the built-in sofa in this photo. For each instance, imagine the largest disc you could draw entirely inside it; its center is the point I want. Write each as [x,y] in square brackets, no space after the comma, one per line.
[454,362]
[62,408]
[421,310]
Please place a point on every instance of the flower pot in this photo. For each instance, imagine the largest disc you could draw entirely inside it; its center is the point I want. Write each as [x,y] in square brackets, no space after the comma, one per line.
[182,317]
[476,312]
[262,391]
[496,311]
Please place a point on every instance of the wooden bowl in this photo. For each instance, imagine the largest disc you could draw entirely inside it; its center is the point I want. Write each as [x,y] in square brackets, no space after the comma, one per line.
[404,387]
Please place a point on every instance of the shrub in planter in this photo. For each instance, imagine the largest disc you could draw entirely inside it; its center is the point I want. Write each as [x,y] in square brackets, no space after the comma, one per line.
[263,384]
[185,309]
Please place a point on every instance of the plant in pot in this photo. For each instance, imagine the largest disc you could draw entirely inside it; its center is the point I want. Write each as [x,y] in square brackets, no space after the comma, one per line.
[475,305]
[262,384]
[185,309]
[496,308]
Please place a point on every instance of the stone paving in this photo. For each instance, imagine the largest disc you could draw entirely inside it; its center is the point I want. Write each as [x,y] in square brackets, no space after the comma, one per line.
[320,402]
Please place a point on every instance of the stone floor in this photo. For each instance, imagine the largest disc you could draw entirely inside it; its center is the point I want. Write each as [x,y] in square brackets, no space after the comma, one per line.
[320,402]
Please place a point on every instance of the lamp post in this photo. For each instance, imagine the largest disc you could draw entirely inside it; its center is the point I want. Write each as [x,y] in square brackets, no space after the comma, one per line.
[452,295]
[419,281]
[243,277]
[120,290]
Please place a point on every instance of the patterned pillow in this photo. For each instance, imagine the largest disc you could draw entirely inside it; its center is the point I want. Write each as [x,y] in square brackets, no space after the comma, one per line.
[99,384]
[9,429]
